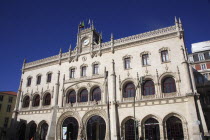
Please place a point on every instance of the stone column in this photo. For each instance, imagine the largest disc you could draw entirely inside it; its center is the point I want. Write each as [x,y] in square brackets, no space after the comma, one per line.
[52,126]
[113,112]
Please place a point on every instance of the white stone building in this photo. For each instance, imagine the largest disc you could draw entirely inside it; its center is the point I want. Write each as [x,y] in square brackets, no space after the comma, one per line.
[89,91]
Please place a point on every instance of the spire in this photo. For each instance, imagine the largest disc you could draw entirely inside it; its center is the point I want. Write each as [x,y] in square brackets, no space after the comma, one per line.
[92,25]
[60,51]
[112,36]
[180,24]
[176,21]
[69,47]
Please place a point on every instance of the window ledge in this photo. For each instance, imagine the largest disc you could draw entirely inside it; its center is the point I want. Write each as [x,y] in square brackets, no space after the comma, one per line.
[127,68]
[166,62]
[145,65]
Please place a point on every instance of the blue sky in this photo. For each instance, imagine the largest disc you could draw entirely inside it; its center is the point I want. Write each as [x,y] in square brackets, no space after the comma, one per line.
[35,29]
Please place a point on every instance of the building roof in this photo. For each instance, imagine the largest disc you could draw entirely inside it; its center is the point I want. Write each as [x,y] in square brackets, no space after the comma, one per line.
[9,92]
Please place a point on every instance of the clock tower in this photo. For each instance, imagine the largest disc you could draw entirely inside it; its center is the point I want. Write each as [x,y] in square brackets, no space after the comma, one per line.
[87,38]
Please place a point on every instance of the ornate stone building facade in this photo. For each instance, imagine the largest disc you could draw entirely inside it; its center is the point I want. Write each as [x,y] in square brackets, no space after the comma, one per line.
[97,90]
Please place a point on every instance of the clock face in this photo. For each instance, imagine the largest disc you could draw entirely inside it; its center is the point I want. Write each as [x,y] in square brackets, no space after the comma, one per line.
[86,42]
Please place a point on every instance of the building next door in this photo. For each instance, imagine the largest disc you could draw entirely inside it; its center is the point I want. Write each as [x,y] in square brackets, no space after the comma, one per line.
[96,128]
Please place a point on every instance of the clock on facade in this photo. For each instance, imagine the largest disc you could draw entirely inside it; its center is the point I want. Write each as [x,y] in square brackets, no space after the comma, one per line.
[86,42]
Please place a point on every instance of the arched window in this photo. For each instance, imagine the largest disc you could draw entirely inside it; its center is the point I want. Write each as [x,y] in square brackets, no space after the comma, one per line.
[71,97]
[168,85]
[84,95]
[148,88]
[26,101]
[43,132]
[96,94]
[47,99]
[129,130]
[129,90]
[36,100]
[152,130]
[70,128]
[174,128]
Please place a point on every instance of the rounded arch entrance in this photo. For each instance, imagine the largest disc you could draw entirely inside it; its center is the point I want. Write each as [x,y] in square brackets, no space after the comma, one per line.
[99,120]
[66,123]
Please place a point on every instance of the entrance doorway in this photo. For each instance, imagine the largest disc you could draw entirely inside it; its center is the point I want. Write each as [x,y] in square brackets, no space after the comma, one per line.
[152,131]
[96,128]
[70,129]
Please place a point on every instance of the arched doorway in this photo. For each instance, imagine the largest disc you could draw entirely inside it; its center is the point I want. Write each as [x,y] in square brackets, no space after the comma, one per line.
[43,132]
[70,129]
[96,128]
[32,131]
[129,130]
[174,129]
[21,132]
[152,130]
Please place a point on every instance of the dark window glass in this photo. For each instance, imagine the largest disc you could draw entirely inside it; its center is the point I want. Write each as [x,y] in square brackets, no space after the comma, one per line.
[168,85]
[84,71]
[129,90]
[29,81]
[72,127]
[96,94]
[174,129]
[127,62]
[36,100]
[49,77]
[26,101]
[21,132]
[32,131]
[8,108]
[6,121]
[148,88]
[1,97]
[71,97]
[43,133]
[145,59]
[0,107]
[95,69]
[38,81]
[10,99]
[96,128]
[152,131]
[47,99]
[164,56]
[129,130]
[84,95]
[72,73]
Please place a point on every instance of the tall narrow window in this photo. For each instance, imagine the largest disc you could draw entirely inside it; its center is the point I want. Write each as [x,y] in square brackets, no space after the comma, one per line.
[203,66]
[95,69]
[38,80]
[8,108]
[84,69]
[148,88]
[96,94]
[47,99]
[26,101]
[145,59]
[71,97]
[29,82]
[127,62]
[49,77]
[36,100]
[201,57]
[6,121]
[10,99]
[164,56]
[1,97]
[72,73]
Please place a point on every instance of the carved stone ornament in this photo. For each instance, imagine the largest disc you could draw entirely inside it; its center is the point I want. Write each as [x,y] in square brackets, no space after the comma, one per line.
[84,58]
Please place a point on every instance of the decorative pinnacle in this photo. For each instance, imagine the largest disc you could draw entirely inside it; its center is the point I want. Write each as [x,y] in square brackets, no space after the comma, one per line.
[112,36]
[176,21]
[180,22]
[60,50]
[70,47]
